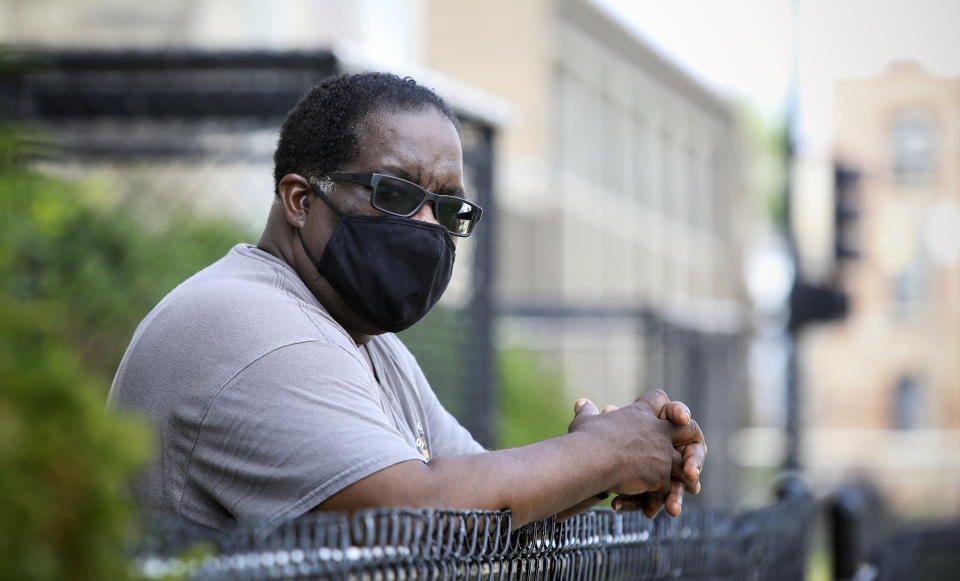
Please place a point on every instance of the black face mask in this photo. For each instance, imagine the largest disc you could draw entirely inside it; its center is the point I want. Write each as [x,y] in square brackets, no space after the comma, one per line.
[389,270]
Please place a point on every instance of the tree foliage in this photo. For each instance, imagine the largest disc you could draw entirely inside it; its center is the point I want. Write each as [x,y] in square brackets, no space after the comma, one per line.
[531,401]
[78,270]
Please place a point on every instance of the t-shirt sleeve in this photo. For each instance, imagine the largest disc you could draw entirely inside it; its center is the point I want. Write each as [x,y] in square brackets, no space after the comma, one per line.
[293,428]
[449,438]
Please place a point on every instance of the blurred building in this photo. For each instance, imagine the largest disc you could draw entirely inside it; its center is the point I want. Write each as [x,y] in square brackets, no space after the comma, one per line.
[618,179]
[620,207]
[882,389]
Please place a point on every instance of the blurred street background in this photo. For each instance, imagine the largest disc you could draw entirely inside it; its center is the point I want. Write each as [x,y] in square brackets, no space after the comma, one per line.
[754,205]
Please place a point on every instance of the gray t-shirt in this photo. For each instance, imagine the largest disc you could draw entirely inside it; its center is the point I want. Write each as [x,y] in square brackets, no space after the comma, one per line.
[262,404]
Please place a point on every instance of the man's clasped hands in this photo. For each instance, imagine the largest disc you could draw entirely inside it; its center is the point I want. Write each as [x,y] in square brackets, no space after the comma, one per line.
[663,452]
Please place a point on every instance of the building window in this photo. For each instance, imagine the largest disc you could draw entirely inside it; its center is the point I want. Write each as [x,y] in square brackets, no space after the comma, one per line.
[913,145]
[907,403]
[615,144]
[911,286]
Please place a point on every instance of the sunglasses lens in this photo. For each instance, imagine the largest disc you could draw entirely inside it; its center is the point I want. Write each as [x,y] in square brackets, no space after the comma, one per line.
[455,215]
[402,199]
[396,197]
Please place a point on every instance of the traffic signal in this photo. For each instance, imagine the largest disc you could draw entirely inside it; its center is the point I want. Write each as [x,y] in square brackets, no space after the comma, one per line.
[810,303]
[846,188]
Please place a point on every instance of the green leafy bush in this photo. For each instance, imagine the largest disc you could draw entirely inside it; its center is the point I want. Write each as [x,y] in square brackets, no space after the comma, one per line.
[64,459]
[78,270]
[531,403]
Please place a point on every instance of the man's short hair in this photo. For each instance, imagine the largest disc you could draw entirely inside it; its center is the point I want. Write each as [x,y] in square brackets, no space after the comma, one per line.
[320,135]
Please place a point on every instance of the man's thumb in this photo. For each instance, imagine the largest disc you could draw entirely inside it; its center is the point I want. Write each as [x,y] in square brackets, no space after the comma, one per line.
[585,407]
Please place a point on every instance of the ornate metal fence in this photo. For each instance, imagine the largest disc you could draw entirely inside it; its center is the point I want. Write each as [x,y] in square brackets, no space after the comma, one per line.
[930,552]
[769,543]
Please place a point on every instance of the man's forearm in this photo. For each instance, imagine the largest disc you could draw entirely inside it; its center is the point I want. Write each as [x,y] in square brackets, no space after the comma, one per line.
[628,451]
[533,481]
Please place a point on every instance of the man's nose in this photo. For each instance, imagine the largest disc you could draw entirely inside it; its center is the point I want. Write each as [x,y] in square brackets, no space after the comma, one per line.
[426,214]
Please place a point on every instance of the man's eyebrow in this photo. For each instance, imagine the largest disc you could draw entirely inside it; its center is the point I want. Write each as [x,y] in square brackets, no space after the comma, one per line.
[453,191]
[399,172]
[402,173]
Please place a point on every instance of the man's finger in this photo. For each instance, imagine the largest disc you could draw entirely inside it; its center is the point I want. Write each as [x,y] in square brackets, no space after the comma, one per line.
[688,434]
[684,468]
[649,502]
[677,469]
[656,399]
[694,456]
[677,412]
[608,408]
[690,441]
[674,502]
[585,407]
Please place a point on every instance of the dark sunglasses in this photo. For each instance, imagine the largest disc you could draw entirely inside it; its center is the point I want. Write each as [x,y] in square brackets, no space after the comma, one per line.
[402,198]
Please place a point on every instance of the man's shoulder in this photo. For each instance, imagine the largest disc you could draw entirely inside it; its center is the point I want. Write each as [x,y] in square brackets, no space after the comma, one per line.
[247,282]
[245,270]
[247,300]
[221,320]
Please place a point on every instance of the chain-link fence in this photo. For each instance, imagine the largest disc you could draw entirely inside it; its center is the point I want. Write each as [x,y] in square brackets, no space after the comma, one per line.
[768,543]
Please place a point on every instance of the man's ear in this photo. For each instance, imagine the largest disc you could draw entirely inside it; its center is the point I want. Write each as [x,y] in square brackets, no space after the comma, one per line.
[294,191]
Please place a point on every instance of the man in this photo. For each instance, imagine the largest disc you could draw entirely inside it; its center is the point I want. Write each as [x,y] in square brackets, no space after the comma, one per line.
[274,380]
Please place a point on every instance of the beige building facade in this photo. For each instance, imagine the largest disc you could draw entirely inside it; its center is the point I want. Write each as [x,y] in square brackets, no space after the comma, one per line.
[620,216]
[882,388]
[621,172]
[618,180]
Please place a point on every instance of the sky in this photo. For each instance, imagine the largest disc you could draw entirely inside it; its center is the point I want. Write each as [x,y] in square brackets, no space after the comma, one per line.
[745,48]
